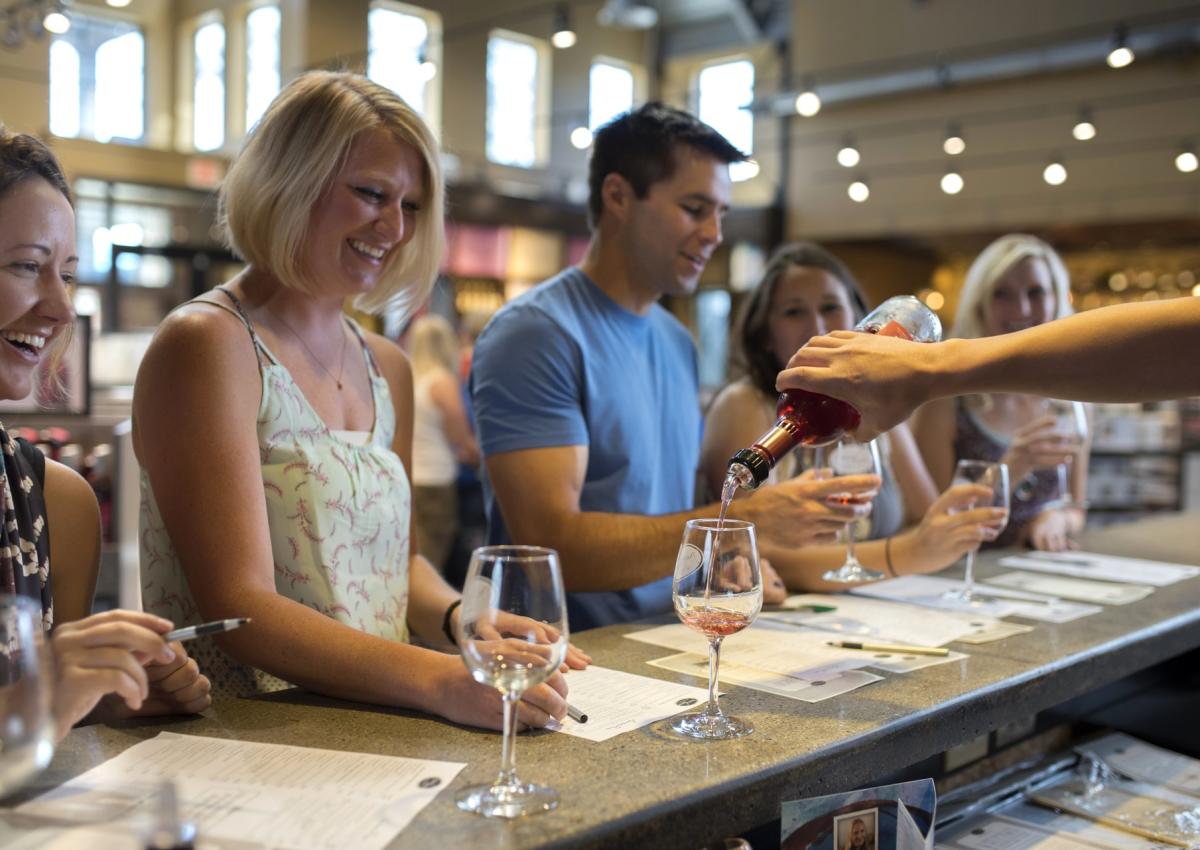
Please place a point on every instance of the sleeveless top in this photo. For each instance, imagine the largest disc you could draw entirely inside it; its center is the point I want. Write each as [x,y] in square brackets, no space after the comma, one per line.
[434,462]
[974,440]
[338,516]
[24,529]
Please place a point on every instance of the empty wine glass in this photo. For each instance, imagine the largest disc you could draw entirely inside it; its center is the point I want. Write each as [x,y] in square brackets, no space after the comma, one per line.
[1071,424]
[718,592]
[989,474]
[511,594]
[850,457]
[26,693]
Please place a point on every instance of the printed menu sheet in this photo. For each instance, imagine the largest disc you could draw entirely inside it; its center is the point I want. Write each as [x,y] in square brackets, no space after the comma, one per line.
[806,690]
[1062,823]
[928,592]
[1151,811]
[1103,567]
[616,702]
[1081,589]
[1146,762]
[268,795]
[999,833]
[858,618]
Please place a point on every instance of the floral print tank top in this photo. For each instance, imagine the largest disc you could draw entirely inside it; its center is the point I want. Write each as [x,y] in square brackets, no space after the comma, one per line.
[338,515]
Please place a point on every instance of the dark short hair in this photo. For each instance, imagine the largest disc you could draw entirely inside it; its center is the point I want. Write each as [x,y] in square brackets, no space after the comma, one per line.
[752,331]
[642,145]
[23,156]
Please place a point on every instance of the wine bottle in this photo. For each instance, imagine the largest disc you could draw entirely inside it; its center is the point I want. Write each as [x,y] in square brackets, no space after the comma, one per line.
[811,419]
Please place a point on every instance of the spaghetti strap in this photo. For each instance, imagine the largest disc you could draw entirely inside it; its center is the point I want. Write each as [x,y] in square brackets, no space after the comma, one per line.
[362,340]
[240,312]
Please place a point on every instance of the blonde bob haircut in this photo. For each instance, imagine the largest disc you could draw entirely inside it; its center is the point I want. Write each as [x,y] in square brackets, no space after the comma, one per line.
[293,154]
[970,322]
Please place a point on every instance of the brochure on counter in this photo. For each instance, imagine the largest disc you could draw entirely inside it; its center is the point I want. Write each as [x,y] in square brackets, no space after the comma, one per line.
[889,817]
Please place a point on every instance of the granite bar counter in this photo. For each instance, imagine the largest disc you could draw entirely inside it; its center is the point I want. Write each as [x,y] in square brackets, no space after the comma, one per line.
[648,788]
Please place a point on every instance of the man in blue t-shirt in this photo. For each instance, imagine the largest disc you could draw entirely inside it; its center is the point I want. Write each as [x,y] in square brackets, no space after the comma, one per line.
[585,390]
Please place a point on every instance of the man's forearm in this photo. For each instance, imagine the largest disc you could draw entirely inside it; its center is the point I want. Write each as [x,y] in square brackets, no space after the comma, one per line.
[1127,353]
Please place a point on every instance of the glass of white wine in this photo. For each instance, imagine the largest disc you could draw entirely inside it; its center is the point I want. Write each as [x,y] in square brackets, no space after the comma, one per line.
[1071,423]
[513,637]
[718,592]
[27,732]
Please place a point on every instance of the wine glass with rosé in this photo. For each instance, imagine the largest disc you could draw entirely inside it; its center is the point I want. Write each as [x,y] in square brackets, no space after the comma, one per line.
[718,592]
[850,457]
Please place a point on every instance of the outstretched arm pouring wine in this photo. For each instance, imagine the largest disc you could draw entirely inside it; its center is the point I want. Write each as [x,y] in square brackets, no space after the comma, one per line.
[1123,353]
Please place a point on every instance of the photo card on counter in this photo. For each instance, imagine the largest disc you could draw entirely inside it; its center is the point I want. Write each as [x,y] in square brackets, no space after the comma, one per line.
[890,817]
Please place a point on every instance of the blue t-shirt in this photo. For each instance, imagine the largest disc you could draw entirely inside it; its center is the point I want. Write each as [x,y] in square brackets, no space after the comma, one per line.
[565,365]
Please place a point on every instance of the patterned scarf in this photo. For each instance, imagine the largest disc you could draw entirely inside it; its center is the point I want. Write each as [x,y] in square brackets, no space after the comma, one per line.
[24,545]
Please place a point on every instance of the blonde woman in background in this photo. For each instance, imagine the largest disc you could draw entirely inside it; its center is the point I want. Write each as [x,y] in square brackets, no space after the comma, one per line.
[806,291]
[442,436]
[275,435]
[1018,282]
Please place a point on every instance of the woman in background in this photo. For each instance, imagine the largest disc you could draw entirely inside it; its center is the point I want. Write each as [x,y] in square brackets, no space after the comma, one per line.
[1016,283]
[48,509]
[442,437]
[275,435]
[807,291]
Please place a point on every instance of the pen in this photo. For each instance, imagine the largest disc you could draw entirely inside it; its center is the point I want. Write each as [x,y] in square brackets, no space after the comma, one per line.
[890,647]
[213,628]
[575,714]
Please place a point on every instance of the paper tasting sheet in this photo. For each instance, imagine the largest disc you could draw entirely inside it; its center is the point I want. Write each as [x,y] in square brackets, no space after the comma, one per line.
[272,795]
[1081,589]
[1147,762]
[1153,811]
[1103,567]
[994,833]
[617,702]
[805,690]
[778,649]
[927,592]
[1063,823]
[860,618]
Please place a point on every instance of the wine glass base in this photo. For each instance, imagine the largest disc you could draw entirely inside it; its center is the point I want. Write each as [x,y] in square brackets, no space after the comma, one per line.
[507,801]
[711,727]
[965,596]
[852,574]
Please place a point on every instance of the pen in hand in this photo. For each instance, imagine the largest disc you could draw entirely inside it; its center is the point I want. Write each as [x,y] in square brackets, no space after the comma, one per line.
[214,628]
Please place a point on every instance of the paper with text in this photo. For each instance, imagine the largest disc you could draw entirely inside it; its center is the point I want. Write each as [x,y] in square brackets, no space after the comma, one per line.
[271,795]
[1146,762]
[1103,567]
[805,690]
[1081,589]
[878,620]
[616,702]
[991,833]
[1084,829]
[927,591]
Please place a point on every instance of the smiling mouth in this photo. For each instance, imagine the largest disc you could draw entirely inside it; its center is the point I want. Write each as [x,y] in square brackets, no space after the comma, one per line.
[695,260]
[29,344]
[368,251]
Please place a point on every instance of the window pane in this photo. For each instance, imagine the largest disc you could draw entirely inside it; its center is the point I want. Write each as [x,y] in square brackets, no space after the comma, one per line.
[262,61]
[726,92]
[64,89]
[119,79]
[512,77]
[97,83]
[208,98]
[397,45]
[610,93]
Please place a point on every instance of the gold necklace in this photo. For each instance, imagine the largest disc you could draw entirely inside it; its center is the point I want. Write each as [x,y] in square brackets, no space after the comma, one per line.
[341,362]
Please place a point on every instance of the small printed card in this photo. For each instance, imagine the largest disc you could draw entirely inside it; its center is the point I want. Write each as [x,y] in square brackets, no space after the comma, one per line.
[890,817]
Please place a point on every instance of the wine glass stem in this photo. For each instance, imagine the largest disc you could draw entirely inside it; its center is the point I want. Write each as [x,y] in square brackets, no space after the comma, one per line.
[969,573]
[714,665]
[508,756]
[850,558]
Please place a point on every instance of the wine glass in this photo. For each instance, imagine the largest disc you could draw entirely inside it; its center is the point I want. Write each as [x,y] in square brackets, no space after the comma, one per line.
[850,457]
[27,727]
[995,476]
[718,592]
[511,593]
[1071,424]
